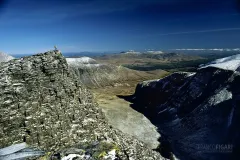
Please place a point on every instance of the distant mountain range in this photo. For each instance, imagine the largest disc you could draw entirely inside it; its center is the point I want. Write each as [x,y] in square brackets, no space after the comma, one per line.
[152,60]
[196,51]
[94,74]
[213,49]
[205,52]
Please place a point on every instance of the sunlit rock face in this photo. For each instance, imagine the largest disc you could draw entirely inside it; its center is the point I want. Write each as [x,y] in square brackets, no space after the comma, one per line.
[43,104]
[93,74]
[198,113]
[4,57]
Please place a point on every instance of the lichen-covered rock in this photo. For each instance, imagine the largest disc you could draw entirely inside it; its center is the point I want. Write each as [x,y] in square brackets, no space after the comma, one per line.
[43,104]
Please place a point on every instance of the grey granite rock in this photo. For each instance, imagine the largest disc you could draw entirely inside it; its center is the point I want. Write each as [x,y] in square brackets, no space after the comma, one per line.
[43,104]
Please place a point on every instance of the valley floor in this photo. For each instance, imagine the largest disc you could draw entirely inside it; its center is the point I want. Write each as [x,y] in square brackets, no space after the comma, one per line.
[121,116]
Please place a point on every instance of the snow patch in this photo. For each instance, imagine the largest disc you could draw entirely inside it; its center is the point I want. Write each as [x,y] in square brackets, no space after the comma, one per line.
[73,156]
[218,98]
[4,57]
[18,151]
[130,52]
[190,74]
[221,96]
[228,63]
[155,52]
[111,155]
[84,60]
[148,82]
[81,60]
[13,148]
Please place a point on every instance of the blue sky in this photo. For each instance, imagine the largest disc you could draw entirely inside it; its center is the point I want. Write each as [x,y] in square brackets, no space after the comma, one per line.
[30,26]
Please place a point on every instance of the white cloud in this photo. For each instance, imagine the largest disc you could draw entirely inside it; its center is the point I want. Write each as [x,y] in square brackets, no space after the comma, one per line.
[200,31]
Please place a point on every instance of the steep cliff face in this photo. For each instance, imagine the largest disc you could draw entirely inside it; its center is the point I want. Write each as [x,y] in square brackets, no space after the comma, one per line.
[197,113]
[43,104]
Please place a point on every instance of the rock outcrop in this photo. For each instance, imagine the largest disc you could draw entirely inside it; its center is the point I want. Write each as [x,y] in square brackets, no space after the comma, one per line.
[197,114]
[4,57]
[43,104]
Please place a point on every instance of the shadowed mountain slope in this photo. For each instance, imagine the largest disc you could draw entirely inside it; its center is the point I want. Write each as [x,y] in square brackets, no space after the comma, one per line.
[197,114]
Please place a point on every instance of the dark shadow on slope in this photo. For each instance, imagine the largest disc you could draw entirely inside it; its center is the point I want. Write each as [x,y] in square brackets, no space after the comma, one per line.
[149,112]
[129,98]
[218,132]
[165,148]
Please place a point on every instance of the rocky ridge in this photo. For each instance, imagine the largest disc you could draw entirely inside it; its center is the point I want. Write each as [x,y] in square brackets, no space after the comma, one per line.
[197,114]
[43,104]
